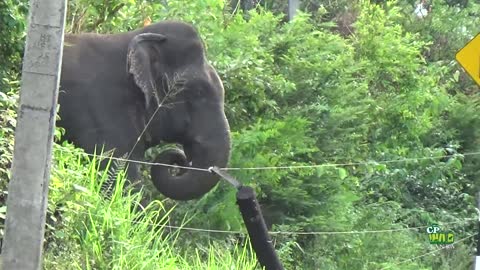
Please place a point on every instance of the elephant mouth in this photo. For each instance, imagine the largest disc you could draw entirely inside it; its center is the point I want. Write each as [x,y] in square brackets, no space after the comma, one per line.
[176,158]
[177,171]
[174,171]
[194,180]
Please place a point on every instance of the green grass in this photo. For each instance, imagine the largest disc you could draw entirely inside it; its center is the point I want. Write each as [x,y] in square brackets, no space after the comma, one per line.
[87,231]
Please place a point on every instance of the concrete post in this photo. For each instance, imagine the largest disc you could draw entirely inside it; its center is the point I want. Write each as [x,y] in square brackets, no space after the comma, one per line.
[28,189]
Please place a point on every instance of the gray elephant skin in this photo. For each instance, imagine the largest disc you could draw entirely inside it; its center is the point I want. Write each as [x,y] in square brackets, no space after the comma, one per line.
[134,90]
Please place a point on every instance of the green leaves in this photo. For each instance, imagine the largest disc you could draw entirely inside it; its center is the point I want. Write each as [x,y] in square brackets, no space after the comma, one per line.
[342,173]
[299,94]
[8,115]
[354,83]
[12,26]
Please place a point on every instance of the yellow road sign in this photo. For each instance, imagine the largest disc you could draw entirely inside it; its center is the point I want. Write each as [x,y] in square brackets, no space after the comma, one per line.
[469,58]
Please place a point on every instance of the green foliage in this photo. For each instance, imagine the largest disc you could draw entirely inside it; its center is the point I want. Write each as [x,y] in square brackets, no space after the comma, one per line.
[12,33]
[88,231]
[8,105]
[369,97]
[8,108]
[117,15]
[382,110]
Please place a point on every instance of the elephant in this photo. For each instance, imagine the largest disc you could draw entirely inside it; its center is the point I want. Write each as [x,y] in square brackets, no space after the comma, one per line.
[134,90]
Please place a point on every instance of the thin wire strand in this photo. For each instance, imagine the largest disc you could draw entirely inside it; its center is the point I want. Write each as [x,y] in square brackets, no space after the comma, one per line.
[303,233]
[281,167]
[138,161]
[428,253]
[347,164]
[160,105]
[274,232]
[368,231]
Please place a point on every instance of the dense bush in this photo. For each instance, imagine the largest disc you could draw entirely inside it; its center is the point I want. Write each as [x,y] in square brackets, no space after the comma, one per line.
[12,33]
[382,111]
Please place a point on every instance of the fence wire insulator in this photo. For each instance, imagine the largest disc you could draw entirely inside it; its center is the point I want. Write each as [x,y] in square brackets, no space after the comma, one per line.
[230,179]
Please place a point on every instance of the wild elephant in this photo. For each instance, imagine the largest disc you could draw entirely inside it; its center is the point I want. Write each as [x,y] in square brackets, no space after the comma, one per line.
[134,90]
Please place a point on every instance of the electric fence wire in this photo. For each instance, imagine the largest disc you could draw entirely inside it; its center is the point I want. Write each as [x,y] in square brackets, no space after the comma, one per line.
[303,233]
[385,268]
[183,228]
[292,167]
[281,167]
[428,253]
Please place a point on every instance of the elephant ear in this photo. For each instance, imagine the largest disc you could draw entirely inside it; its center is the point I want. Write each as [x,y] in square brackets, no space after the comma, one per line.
[140,62]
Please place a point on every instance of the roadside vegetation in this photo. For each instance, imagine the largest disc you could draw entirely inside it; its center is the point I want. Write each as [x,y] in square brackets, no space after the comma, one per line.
[366,88]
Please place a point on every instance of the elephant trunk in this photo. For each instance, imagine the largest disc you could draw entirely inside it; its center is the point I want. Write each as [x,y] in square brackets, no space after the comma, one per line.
[211,149]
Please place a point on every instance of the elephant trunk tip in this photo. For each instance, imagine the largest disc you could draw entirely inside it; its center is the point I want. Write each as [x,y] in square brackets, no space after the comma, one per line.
[190,183]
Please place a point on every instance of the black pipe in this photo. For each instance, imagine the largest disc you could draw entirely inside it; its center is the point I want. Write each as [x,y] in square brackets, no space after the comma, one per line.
[257,230]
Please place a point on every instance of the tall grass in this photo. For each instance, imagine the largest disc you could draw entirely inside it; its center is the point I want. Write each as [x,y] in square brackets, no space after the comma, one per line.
[87,230]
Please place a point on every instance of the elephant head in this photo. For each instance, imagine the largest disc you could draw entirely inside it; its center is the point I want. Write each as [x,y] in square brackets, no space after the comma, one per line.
[184,100]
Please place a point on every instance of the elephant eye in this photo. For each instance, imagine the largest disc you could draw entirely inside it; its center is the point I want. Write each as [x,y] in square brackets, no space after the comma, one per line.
[201,91]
